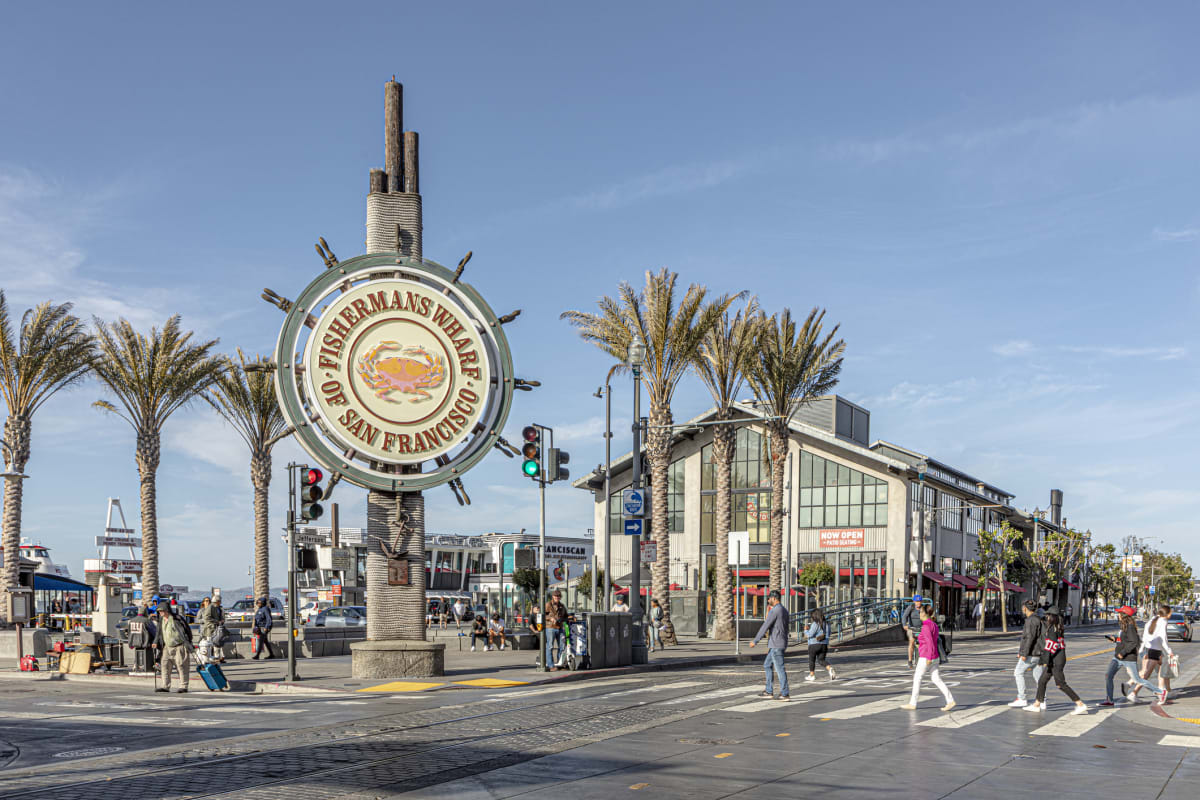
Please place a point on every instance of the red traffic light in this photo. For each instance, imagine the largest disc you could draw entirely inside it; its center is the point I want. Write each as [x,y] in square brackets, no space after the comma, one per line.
[530,434]
[313,476]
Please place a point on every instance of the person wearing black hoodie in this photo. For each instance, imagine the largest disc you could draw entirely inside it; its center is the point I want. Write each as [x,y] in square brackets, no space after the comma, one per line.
[1029,653]
[1054,656]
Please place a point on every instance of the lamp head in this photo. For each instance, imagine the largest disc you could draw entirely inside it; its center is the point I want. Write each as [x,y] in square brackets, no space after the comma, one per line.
[637,353]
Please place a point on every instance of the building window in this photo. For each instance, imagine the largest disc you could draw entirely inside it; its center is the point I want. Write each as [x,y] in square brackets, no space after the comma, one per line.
[751,488]
[675,497]
[833,495]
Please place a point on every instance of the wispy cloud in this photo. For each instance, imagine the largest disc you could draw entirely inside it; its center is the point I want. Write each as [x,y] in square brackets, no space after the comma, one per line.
[916,396]
[1014,347]
[1152,353]
[1178,235]
[669,180]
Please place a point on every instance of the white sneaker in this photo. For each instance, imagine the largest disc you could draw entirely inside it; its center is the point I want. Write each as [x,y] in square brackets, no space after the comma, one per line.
[809,678]
[472,648]
[1038,707]
[1018,703]
[501,647]
[1132,698]
[1079,711]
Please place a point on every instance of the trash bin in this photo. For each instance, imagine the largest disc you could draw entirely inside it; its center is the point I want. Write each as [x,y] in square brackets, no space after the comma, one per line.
[612,642]
[597,623]
[624,640]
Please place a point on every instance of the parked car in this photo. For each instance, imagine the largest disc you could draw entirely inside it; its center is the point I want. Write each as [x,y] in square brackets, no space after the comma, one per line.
[1179,627]
[188,610]
[127,613]
[311,609]
[243,610]
[341,617]
[1192,614]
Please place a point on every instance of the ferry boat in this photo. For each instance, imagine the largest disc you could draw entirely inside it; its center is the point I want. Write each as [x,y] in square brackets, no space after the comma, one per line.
[41,554]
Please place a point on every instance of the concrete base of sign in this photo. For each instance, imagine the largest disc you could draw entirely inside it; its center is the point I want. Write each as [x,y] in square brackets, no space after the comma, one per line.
[397,658]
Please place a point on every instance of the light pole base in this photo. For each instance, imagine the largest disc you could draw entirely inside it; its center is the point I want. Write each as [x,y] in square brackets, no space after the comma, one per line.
[397,658]
[639,653]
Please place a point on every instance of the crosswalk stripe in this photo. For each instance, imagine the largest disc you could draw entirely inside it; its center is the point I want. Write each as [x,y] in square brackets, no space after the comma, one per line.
[658,688]
[1073,726]
[1175,740]
[568,687]
[867,709]
[961,719]
[262,709]
[716,694]
[764,704]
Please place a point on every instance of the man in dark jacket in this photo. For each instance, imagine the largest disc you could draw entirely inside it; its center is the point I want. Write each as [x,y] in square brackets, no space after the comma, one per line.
[776,625]
[174,643]
[262,627]
[1030,652]
[911,620]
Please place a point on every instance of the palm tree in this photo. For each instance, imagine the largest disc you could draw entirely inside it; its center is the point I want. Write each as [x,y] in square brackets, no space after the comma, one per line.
[51,351]
[671,334]
[151,378]
[725,353]
[246,399]
[793,365]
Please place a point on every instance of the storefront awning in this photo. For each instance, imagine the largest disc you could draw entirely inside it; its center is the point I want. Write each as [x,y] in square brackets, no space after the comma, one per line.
[938,578]
[994,586]
[57,583]
[1068,583]
[967,582]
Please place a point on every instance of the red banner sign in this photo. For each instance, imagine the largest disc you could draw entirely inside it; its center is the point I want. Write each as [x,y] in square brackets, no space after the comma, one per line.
[843,538]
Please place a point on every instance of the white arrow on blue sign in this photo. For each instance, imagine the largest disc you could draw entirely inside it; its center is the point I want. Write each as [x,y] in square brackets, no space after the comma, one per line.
[633,527]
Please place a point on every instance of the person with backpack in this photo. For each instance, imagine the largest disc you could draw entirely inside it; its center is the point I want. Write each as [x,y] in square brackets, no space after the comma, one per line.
[1029,652]
[1128,645]
[929,653]
[262,628]
[174,643]
[911,620]
[817,635]
[655,628]
[1054,658]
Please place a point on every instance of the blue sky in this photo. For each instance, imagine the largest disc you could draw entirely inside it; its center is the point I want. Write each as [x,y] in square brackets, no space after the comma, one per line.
[998,206]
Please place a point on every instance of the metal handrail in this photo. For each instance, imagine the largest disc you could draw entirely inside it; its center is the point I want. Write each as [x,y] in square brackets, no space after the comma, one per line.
[852,618]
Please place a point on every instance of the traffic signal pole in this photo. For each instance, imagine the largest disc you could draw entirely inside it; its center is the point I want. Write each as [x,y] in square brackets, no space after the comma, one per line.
[545,660]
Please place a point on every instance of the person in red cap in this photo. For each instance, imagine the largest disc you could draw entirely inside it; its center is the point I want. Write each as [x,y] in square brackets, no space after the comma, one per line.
[1125,655]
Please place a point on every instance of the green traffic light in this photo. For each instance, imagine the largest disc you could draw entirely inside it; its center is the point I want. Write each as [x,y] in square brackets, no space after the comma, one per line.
[531,468]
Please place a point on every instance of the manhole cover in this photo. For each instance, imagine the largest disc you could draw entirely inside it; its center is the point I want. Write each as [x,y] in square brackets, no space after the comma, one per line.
[88,752]
[710,741]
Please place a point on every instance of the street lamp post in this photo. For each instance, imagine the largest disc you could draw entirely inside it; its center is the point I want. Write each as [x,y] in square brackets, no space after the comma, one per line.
[637,355]
[607,390]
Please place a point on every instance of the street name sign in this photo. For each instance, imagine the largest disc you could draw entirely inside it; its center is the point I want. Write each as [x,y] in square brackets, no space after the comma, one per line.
[633,527]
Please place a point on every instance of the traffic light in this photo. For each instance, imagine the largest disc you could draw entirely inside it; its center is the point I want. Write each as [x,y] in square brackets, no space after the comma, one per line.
[532,451]
[555,459]
[311,494]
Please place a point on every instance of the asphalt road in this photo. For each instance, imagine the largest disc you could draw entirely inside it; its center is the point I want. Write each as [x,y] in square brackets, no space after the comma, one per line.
[696,733]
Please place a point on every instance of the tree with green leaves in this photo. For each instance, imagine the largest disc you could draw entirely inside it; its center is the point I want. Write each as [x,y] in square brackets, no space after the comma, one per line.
[1168,573]
[998,548]
[51,350]
[583,584]
[816,573]
[151,376]
[1108,576]
[671,328]
[1045,560]
[246,399]
[793,364]
[725,352]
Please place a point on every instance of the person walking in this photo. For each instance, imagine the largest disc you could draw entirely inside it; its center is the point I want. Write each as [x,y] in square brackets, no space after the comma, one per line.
[208,620]
[776,624]
[928,660]
[1154,646]
[460,609]
[1128,645]
[1029,652]
[1055,659]
[977,613]
[262,628]
[655,628]
[817,635]
[556,617]
[911,620]
[174,642]
[1067,617]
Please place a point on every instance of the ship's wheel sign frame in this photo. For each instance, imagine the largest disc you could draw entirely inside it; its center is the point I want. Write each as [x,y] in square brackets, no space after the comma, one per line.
[384,362]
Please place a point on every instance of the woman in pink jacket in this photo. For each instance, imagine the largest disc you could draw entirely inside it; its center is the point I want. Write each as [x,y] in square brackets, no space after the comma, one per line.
[927,650]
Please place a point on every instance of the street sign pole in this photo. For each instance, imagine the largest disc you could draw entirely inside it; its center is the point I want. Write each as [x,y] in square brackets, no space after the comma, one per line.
[291,598]
[737,594]
[545,659]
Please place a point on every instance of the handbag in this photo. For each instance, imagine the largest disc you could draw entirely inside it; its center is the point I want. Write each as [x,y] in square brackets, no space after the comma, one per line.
[1171,668]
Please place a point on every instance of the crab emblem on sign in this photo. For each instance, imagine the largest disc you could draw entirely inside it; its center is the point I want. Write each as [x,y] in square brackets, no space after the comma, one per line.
[412,372]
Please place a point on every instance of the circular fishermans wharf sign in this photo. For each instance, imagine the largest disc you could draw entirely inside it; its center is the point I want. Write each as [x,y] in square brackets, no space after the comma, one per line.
[386,362]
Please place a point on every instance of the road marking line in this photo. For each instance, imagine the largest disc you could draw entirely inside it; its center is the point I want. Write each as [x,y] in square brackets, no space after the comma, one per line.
[762,705]
[637,786]
[964,718]
[1174,740]
[722,755]
[716,694]
[660,687]
[401,686]
[867,709]
[1073,726]
[1093,653]
[248,710]
[569,687]
[491,683]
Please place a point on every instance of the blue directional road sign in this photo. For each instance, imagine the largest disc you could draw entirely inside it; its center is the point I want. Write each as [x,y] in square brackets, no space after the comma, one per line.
[1151,588]
[633,527]
[633,502]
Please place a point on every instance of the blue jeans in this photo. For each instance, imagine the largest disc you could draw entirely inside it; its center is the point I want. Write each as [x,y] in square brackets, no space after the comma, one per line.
[1114,667]
[774,663]
[554,635]
[1019,673]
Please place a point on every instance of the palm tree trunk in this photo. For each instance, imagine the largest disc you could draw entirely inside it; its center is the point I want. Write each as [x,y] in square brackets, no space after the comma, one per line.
[16,436]
[149,451]
[658,449]
[260,477]
[778,439]
[722,458]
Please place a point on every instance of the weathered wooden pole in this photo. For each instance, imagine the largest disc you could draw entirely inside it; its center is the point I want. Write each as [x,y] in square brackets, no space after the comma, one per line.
[378,182]
[393,127]
[411,170]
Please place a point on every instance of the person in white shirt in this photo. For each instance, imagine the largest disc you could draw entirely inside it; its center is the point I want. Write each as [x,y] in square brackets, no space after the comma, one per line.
[459,610]
[620,607]
[1154,647]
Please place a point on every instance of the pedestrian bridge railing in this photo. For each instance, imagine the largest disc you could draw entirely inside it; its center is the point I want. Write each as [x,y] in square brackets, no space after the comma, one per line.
[852,618]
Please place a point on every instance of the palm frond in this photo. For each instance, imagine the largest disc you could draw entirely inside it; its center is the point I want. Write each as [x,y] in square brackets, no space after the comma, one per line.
[722,358]
[794,364]
[50,351]
[248,402]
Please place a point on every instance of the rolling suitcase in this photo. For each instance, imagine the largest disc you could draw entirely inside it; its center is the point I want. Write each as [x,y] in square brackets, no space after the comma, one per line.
[213,677]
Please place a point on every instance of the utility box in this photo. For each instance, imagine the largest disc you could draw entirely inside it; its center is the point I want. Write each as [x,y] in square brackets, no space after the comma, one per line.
[612,640]
[597,623]
[624,640]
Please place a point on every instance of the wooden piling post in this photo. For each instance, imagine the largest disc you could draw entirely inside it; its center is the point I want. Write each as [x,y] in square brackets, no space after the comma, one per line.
[411,171]
[378,181]
[393,126]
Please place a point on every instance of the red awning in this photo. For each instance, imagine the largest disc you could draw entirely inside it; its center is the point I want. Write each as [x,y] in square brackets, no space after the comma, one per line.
[1068,583]
[859,572]
[938,578]
[1012,587]
[967,582]
[754,573]
[994,586]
